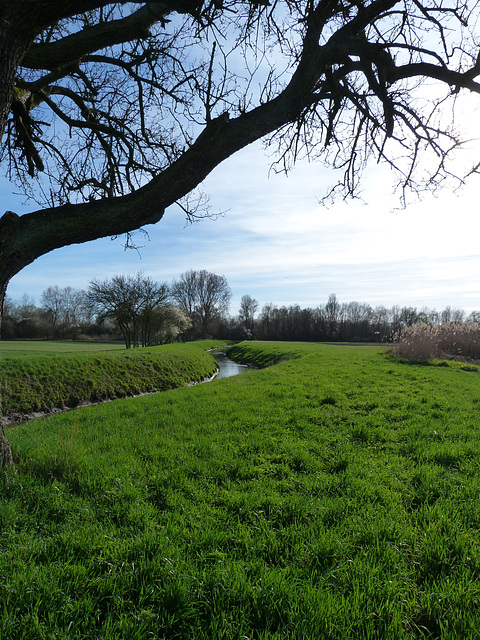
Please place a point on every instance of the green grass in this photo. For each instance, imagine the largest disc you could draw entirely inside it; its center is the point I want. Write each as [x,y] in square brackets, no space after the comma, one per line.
[23,348]
[333,495]
[39,377]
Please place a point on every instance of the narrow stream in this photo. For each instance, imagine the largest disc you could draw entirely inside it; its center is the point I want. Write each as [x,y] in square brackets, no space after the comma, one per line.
[228,367]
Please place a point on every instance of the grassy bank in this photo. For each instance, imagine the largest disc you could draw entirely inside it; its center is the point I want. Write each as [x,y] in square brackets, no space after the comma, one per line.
[261,354]
[334,495]
[41,376]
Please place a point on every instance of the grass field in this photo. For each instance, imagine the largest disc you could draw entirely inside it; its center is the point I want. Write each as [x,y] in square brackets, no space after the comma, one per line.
[22,348]
[334,495]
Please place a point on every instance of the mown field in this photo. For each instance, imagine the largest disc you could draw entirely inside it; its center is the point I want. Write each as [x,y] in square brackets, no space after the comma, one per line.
[332,495]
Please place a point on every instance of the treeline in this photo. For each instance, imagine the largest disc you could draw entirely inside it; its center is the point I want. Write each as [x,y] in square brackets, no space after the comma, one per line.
[143,312]
[341,322]
[62,314]
[135,308]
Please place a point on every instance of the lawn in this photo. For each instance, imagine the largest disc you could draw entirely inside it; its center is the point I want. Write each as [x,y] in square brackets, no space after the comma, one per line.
[332,495]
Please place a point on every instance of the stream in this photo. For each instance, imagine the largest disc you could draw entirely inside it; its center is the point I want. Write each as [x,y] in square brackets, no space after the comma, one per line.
[228,367]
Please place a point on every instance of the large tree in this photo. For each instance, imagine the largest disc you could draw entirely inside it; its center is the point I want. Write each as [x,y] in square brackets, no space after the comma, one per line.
[113,111]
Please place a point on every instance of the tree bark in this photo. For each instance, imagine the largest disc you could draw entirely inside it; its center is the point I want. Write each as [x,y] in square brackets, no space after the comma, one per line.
[11,53]
[6,458]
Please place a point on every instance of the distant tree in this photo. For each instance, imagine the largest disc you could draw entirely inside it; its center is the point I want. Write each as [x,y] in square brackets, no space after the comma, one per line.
[380,324]
[25,308]
[25,320]
[246,314]
[332,314]
[356,321]
[204,297]
[264,321]
[131,301]
[434,317]
[473,317]
[64,308]
[51,302]
[395,319]
[408,316]
[452,315]
[458,315]
[424,316]
[153,296]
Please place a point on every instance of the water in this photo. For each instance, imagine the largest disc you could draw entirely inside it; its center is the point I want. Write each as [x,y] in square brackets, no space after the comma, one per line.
[228,367]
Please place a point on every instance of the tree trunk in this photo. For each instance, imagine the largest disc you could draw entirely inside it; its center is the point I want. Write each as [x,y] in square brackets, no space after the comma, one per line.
[3,292]
[6,458]
[14,41]
[8,68]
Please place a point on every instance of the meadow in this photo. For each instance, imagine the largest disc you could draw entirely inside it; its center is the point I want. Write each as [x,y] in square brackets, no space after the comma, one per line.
[332,495]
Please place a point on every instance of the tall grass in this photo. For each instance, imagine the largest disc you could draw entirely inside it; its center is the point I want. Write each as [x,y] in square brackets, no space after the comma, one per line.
[451,340]
[331,496]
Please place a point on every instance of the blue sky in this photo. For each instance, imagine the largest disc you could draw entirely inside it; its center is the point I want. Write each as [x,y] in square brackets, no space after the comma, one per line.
[278,244]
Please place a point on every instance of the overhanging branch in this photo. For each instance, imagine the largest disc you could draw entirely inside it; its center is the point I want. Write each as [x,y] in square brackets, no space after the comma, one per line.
[447,76]
[73,48]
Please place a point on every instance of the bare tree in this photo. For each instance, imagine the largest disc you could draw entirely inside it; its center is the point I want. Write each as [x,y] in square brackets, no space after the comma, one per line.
[51,302]
[24,308]
[333,314]
[248,307]
[64,307]
[131,301]
[203,296]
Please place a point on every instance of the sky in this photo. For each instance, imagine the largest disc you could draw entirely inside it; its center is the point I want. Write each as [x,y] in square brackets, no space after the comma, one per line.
[275,242]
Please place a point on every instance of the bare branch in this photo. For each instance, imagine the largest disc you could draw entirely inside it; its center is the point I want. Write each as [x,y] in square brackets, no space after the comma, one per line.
[126,113]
